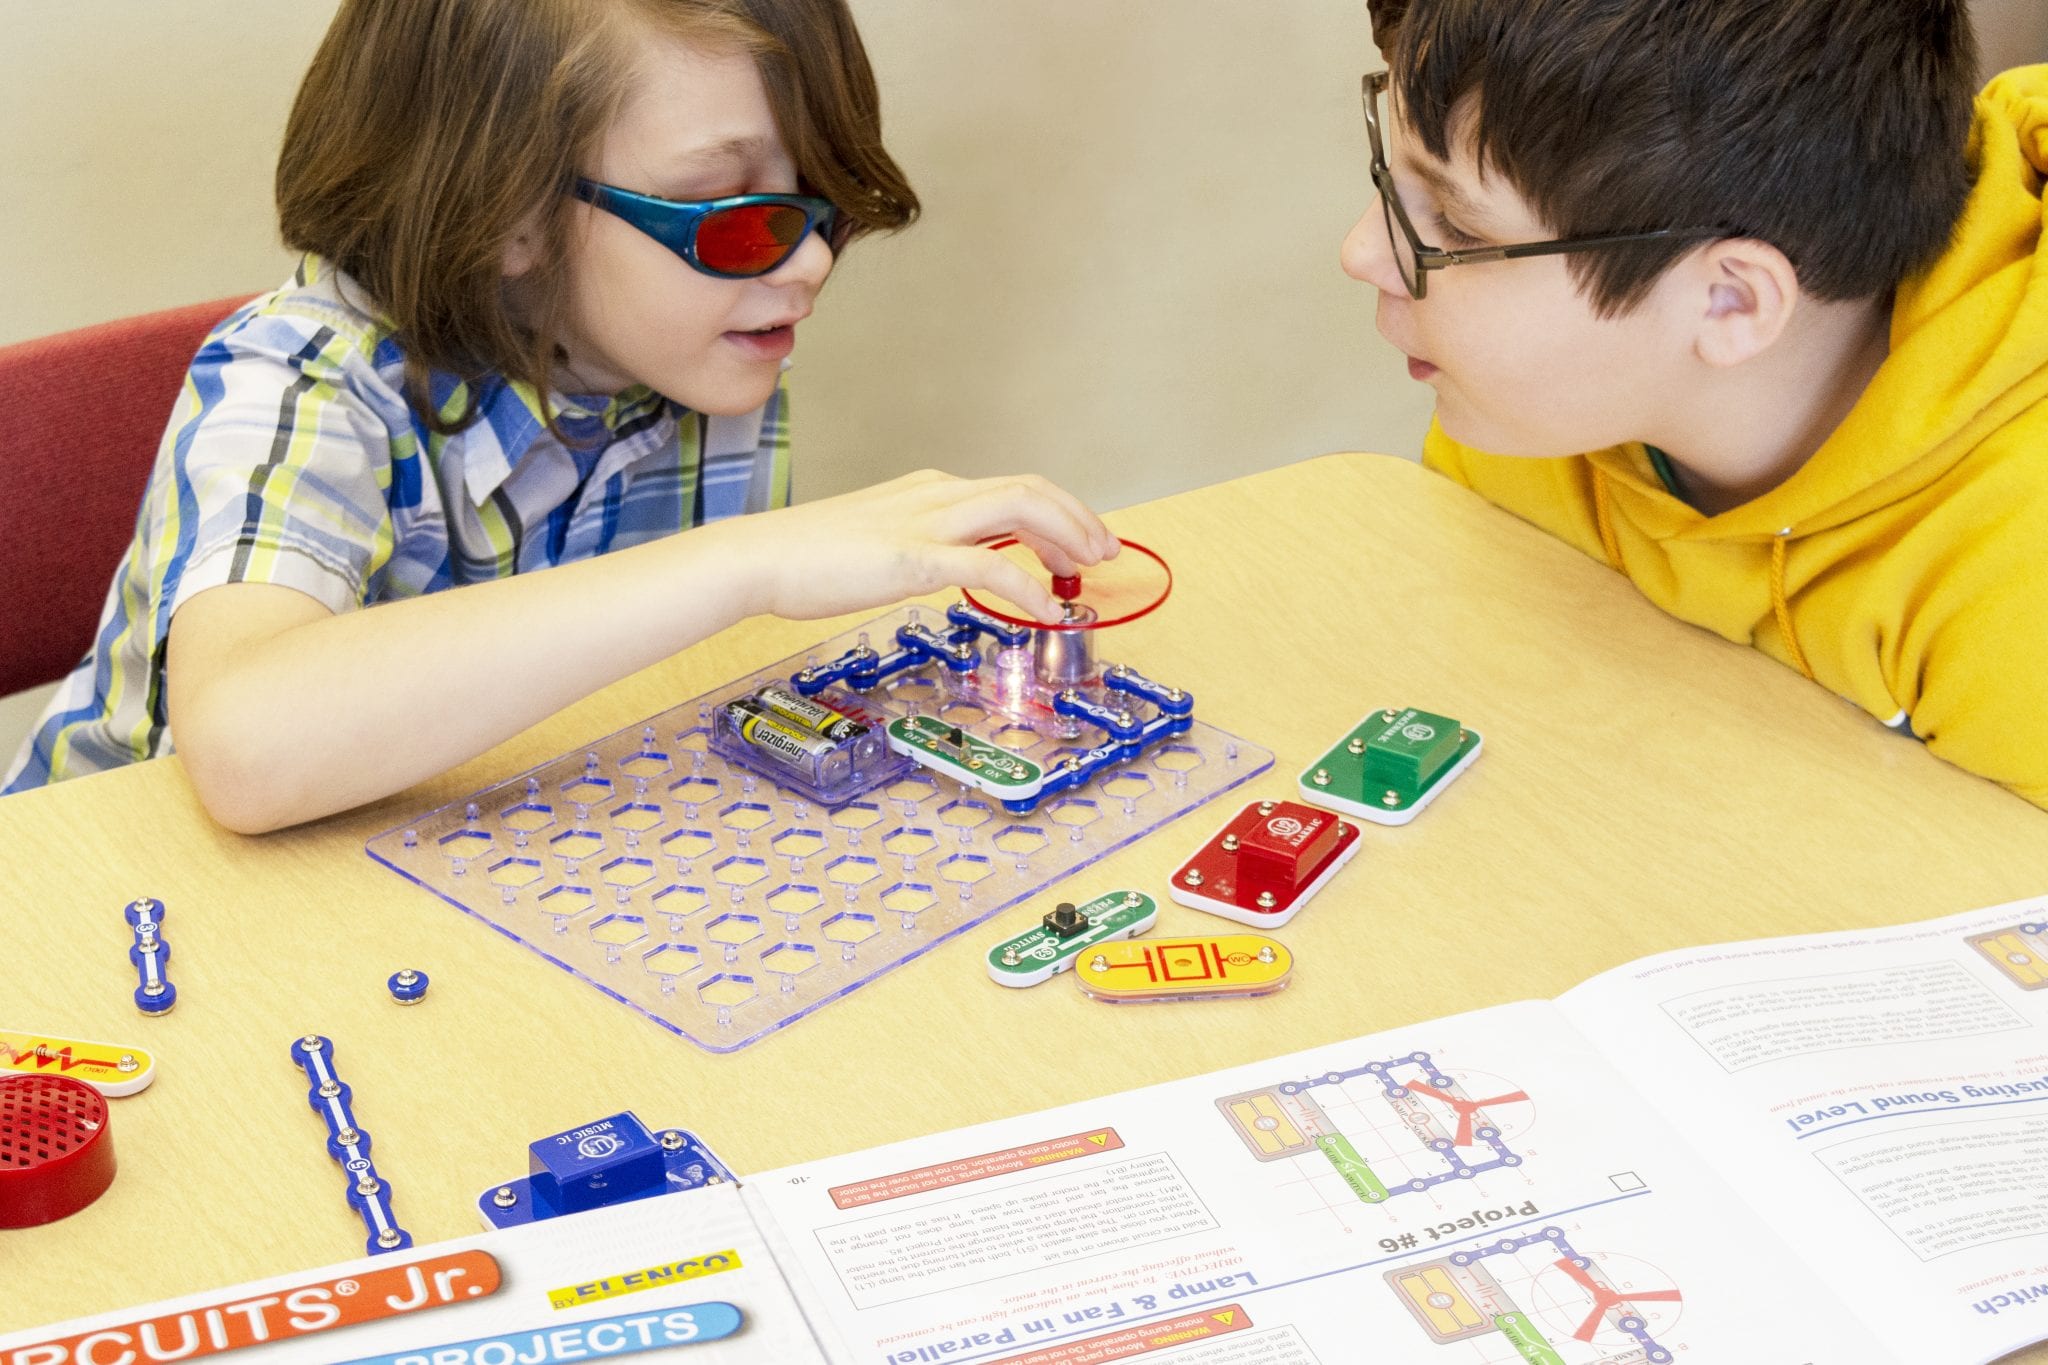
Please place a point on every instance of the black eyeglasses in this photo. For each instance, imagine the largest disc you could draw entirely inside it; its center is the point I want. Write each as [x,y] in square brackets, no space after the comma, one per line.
[1416,260]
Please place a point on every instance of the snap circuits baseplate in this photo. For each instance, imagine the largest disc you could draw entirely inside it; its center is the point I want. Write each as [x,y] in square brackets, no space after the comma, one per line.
[725,907]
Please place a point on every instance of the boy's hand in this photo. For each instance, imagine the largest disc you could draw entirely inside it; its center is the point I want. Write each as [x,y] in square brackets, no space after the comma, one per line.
[915,535]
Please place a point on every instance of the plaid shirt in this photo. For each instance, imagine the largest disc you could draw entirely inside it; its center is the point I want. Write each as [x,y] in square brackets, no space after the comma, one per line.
[293,458]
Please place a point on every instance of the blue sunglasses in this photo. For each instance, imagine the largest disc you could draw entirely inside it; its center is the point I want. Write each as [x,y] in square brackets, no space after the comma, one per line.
[736,238]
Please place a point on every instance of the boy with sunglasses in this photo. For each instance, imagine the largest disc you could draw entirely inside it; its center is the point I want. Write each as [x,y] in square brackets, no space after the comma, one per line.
[1744,298]
[556,253]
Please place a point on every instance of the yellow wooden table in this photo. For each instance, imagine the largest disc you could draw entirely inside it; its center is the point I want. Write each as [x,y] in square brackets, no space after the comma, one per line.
[1645,786]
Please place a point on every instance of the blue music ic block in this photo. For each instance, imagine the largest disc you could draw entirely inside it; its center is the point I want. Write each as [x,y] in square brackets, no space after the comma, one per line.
[607,1162]
[595,1165]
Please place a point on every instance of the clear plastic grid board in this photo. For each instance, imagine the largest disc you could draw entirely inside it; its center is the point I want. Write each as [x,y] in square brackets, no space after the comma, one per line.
[725,907]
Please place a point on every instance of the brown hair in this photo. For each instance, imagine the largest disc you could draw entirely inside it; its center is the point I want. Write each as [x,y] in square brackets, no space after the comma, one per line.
[1833,129]
[428,132]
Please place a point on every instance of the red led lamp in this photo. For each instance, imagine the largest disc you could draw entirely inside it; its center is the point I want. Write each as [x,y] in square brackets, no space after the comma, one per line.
[56,1151]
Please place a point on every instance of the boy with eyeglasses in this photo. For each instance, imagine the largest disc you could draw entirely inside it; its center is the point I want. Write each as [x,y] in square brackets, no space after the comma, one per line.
[1766,299]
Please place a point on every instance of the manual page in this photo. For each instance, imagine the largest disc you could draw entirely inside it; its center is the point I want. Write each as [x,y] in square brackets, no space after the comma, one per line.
[1477,1190]
[1881,1098]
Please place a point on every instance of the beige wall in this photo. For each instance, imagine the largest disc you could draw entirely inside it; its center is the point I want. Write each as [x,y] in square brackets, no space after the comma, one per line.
[138,149]
[1125,277]
[2013,32]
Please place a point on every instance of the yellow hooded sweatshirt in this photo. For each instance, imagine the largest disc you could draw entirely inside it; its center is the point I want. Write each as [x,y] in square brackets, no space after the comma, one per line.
[1905,565]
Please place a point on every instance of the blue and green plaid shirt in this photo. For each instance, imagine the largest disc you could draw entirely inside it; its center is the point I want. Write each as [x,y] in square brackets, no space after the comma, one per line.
[293,458]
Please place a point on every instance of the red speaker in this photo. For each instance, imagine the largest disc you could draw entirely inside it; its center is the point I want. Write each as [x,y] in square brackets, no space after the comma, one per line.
[56,1149]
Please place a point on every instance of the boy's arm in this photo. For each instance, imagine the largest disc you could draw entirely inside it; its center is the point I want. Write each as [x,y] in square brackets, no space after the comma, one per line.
[284,711]
[1980,675]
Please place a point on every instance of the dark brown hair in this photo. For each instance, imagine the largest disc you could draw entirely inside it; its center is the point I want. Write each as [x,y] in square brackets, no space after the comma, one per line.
[428,132]
[1833,129]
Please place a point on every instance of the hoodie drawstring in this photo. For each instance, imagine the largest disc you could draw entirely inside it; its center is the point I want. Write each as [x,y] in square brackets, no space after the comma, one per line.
[1781,607]
[1603,517]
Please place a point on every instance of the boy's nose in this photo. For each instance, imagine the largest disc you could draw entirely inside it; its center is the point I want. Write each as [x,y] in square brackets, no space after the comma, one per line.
[1367,254]
[808,265]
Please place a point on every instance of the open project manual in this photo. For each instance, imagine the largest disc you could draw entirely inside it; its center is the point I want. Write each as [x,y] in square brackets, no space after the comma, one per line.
[1830,1148]
[1823,1150]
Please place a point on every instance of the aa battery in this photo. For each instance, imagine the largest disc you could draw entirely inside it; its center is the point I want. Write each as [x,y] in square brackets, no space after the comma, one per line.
[811,715]
[822,761]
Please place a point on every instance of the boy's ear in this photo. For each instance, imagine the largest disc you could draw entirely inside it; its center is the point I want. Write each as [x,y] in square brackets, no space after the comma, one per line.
[1750,294]
[522,249]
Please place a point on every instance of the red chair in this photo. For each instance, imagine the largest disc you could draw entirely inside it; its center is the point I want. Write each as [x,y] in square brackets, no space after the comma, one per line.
[86,411]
